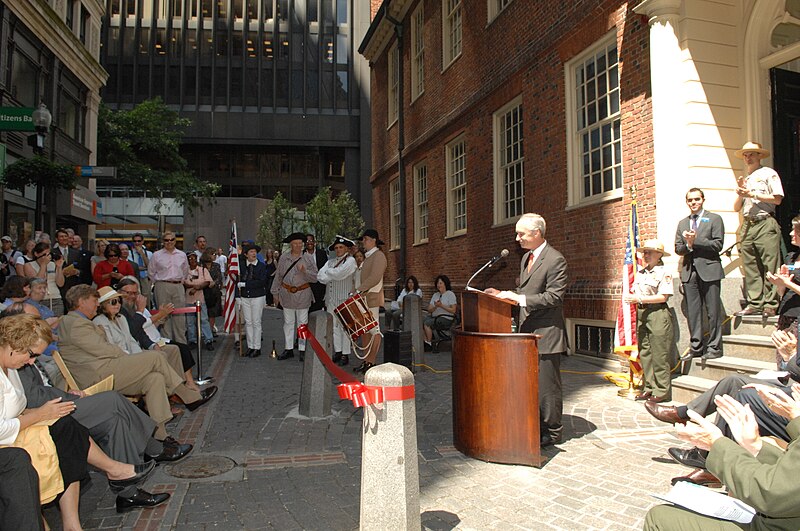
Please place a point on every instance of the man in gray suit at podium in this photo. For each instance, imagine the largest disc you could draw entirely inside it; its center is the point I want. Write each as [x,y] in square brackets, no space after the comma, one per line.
[542,285]
[699,240]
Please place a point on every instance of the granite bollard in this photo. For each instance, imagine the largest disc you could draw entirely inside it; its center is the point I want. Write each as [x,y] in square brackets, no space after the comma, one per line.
[316,388]
[412,320]
[389,466]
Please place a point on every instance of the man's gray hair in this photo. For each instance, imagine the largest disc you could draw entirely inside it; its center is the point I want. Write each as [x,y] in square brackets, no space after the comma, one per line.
[533,222]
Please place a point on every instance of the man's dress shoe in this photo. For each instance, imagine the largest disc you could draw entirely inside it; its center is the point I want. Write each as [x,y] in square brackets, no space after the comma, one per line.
[700,476]
[286,354]
[770,312]
[659,399]
[172,453]
[667,414]
[337,356]
[255,353]
[691,458]
[643,396]
[548,439]
[141,499]
[344,360]
[712,355]
[206,394]
[302,355]
[140,472]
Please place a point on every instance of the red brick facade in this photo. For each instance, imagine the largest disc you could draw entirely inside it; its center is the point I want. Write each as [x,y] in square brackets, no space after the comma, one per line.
[520,53]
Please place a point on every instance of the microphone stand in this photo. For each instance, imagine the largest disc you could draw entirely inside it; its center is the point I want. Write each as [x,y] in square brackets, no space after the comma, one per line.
[490,263]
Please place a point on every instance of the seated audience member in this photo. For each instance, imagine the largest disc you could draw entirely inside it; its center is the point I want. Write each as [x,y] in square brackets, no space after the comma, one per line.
[198,279]
[19,491]
[16,289]
[38,289]
[112,269]
[394,314]
[443,302]
[757,473]
[22,338]
[146,333]
[90,358]
[48,266]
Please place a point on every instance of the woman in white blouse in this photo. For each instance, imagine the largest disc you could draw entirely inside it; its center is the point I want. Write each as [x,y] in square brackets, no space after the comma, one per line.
[395,313]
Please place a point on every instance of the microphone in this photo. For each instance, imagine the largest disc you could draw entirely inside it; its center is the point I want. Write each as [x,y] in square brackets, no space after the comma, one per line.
[490,263]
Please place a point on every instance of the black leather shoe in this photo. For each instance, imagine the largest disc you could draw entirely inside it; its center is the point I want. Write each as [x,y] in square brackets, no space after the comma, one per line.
[249,353]
[345,360]
[548,439]
[207,395]
[712,355]
[209,346]
[692,458]
[140,474]
[364,367]
[301,355]
[256,352]
[192,345]
[171,453]
[141,499]
[337,356]
[286,354]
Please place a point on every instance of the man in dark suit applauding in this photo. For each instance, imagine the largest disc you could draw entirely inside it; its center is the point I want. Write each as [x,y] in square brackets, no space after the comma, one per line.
[699,240]
[542,284]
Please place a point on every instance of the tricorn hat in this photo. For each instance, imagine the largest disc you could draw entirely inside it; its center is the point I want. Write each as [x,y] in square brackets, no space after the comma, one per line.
[295,236]
[347,242]
[372,233]
[751,147]
[653,245]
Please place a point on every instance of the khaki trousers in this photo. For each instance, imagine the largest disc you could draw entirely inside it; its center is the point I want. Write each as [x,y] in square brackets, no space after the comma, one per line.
[174,325]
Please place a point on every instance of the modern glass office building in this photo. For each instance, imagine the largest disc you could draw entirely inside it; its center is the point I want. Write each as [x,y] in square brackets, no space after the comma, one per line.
[277,94]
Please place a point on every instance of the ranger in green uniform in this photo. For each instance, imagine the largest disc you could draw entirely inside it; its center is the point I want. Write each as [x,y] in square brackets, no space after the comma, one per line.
[650,291]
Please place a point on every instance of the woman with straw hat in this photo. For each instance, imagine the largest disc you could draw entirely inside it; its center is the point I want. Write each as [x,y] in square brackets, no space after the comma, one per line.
[650,291]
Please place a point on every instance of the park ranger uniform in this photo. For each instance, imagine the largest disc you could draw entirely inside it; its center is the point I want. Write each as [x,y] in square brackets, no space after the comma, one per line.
[654,331]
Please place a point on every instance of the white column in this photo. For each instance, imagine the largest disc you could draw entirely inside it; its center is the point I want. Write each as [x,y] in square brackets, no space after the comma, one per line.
[669,122]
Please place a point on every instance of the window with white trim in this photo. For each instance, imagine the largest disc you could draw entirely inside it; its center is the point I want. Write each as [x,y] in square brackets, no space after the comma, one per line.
[393,84]
[595,142]
[509,194]
[456,187]
[394,212]
[495,7]
[451,31]
[417,53]
[420,203]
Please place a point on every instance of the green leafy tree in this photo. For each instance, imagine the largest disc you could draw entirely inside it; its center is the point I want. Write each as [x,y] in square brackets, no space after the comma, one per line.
[144,144]
[39,171]
[277,220]
[352,224]
[322,216]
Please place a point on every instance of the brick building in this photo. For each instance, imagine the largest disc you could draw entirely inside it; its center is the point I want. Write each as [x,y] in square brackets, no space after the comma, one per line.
[513,106]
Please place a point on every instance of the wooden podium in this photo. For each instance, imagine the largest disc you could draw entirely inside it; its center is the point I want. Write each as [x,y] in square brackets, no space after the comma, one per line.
[495,384]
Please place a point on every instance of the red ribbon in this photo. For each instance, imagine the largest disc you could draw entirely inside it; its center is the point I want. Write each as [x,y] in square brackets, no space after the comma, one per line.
[351,388]
[188,309]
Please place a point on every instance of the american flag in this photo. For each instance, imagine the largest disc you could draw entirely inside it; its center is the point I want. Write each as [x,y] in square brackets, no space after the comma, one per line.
[625,342]
[233,273]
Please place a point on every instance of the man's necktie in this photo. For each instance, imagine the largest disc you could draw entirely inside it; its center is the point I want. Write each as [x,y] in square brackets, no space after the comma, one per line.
[41,369]
[694,221]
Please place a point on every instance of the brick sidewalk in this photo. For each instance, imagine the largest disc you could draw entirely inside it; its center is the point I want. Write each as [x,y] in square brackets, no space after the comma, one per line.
[298,473]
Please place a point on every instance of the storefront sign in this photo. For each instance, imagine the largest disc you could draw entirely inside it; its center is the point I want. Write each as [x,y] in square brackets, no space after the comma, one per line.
[16,119]
[80,203]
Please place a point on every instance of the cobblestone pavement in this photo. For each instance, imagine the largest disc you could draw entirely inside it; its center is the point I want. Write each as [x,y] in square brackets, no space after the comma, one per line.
[293,472]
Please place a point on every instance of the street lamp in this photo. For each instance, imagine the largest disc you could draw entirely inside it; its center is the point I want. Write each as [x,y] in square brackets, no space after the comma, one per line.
[42,118]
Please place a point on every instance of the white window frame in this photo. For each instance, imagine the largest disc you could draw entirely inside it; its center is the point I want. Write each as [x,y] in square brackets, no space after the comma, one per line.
[575,131]
[417,53]
[452,36]
[495,7]
[394,213]
[503,167]
[421,223]
[393,84]
[456,171]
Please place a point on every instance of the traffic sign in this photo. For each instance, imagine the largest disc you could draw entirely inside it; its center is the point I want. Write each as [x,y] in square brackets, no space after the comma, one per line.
[96,171]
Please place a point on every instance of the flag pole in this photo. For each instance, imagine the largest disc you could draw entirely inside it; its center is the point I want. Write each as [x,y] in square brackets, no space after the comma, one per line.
[630,391]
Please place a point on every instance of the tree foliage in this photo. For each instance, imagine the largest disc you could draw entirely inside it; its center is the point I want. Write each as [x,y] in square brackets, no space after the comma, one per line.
[352,224]
[144,144]
[328,216]
[276,222]
[39,171]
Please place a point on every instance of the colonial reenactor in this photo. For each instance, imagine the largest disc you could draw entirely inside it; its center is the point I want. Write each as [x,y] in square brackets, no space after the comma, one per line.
[650,291]
[337,274]
[372,286]
[292,290]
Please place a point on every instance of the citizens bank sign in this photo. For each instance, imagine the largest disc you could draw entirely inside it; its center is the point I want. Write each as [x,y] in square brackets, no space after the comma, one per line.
[16,119]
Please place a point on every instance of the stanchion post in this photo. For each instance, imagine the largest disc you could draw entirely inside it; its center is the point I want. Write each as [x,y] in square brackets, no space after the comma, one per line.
[200,378]
[316,388]
[389,466]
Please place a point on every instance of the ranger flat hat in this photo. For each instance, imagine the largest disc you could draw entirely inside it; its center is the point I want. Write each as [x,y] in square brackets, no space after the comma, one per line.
[295,236]
[347,242]
[751,147]
[653,245]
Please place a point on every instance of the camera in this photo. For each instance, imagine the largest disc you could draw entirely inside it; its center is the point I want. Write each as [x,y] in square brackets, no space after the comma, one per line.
[55,254]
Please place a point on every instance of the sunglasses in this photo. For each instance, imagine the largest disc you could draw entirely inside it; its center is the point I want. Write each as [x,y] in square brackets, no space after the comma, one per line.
[126,292]
[113,256]
[169,239]
[138,241]
[113,302]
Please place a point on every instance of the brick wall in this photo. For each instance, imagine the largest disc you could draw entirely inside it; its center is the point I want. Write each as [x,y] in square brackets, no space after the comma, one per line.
[519,53]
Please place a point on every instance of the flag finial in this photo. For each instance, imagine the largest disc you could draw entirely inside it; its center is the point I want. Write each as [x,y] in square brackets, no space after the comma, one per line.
[633,192]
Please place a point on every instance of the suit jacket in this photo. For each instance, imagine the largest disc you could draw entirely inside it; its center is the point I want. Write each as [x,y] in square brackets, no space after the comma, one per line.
[767,482]
[704,254]
[85,349]
[73,258]
[544,288]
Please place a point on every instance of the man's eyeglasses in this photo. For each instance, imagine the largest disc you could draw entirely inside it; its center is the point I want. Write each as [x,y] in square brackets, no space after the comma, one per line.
[129,292]
[138,241]
[169,239]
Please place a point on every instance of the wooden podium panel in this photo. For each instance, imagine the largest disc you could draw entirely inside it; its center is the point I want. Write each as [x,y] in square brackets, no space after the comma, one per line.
[495,397]
[481,312]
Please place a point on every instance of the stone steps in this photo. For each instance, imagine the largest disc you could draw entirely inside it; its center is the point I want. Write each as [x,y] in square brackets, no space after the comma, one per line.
[685,388]
[754,325]
[749,346]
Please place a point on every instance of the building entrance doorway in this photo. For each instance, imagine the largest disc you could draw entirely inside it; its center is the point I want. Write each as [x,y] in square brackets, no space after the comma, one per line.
[786,143]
